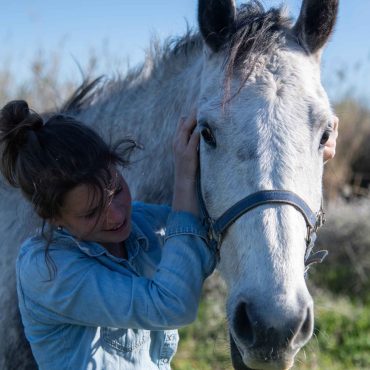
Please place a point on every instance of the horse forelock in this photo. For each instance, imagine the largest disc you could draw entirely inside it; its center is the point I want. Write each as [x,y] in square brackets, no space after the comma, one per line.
[256,33]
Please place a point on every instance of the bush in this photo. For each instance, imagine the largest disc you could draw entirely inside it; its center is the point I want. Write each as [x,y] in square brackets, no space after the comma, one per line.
[346,235]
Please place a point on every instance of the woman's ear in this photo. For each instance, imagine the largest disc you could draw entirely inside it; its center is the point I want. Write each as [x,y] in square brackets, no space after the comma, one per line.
[57,222]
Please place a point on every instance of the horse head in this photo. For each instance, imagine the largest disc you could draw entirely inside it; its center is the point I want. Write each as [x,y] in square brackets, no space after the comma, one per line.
[264,118]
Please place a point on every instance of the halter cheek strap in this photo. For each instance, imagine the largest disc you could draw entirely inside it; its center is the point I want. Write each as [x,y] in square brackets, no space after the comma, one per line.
[218,227]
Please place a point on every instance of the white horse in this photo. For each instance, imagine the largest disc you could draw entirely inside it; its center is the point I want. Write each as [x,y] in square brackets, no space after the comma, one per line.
[254,79]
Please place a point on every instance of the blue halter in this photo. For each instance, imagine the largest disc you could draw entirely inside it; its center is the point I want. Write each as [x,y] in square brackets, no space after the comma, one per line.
[217,228]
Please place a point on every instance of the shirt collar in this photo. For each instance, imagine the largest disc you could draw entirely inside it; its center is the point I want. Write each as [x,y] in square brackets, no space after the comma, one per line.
[137,236]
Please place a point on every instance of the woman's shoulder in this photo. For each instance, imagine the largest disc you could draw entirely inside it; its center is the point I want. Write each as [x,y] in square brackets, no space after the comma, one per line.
[40,241]
[38,255]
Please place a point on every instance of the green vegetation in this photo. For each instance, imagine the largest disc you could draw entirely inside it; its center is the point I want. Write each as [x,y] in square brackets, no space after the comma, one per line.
[343,333]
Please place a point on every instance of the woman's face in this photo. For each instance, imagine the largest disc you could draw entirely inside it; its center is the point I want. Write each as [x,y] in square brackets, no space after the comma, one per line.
[81,217]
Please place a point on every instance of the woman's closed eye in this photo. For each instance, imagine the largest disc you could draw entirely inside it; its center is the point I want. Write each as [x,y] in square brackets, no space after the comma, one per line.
[91,214]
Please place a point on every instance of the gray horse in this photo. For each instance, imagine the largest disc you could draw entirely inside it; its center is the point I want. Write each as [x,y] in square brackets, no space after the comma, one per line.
[254,79]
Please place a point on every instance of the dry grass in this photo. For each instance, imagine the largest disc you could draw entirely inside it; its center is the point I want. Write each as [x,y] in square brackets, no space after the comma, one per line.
[348,174]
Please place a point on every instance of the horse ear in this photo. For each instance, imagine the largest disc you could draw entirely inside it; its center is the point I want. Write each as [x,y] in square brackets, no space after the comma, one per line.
[216,20]
[315,23]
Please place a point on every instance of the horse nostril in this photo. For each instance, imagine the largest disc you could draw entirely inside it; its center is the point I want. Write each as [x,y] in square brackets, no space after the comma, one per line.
[243,326]
[308,323]
[305,331]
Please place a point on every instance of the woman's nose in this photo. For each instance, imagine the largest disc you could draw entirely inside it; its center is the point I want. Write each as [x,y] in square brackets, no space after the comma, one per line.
[114,214]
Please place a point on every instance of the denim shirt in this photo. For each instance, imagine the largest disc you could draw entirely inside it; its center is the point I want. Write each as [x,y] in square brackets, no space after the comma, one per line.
[105,312]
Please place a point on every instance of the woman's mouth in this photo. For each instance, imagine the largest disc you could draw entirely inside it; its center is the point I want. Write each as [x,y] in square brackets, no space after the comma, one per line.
[118,228]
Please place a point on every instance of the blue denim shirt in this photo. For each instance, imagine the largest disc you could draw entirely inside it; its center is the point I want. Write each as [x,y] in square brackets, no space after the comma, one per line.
[104,312]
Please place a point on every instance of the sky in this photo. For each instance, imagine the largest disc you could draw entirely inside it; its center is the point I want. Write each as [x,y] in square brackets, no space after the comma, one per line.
[122,29]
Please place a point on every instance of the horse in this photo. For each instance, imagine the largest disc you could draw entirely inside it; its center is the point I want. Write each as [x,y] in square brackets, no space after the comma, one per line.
[253,77]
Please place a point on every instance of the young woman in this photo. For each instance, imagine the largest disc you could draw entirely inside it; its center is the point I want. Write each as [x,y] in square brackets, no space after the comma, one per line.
[101,285]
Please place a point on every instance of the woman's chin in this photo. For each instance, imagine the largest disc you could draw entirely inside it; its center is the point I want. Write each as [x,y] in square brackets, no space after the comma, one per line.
[120,234]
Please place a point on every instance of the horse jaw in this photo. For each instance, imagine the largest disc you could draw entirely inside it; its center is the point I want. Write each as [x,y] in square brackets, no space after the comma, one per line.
[267,138]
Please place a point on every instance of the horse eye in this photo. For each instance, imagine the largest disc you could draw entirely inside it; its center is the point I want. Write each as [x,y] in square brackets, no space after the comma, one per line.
[325,137]
[207,135]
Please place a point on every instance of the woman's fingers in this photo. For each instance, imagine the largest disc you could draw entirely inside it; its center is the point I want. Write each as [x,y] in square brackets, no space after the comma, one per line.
[190,123]
[186,163]
[185,147]
[330,146]
[185,129]
[194,142]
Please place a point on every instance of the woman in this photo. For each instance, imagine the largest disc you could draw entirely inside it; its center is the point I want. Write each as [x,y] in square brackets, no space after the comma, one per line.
[104,283]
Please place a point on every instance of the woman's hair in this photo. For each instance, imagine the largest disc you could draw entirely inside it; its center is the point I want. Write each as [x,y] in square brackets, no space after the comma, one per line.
[48,159]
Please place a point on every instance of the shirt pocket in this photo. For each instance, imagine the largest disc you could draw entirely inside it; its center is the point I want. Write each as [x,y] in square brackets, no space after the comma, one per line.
[123,340]
[169,345]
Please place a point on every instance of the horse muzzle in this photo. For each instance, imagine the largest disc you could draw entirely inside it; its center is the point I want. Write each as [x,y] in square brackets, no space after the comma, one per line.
[268,338]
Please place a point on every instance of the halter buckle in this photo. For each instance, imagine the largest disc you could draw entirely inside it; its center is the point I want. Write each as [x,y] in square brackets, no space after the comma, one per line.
[214,238]
[320,219]
[212,235]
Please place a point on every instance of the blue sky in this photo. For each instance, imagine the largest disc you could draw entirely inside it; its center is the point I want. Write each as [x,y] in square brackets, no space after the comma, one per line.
[122,30]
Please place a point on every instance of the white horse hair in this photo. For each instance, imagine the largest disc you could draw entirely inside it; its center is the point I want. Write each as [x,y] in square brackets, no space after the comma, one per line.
[254,79]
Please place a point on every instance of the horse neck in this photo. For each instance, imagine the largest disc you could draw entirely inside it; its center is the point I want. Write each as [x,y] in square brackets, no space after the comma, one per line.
[147,107]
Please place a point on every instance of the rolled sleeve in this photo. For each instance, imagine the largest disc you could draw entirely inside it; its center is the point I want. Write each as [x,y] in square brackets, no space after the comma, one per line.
[184,223]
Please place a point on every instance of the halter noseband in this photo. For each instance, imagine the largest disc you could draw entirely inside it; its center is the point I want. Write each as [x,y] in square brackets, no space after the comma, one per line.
[218,227]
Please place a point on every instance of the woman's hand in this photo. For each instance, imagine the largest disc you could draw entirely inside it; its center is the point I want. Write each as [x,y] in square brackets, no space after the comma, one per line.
[329,150]
[185,149]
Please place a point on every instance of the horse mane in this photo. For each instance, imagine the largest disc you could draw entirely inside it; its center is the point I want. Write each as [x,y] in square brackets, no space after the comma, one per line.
[81,96]
[256,33]
[157,55]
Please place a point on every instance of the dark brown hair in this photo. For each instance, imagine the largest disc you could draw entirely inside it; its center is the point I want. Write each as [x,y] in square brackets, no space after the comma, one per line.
[48,159]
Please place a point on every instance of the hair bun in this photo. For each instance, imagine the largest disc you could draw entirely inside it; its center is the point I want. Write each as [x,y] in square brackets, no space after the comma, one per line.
[16,118]
[18,126]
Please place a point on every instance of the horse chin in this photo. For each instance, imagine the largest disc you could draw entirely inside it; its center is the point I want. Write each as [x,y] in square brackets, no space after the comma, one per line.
[254,364]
